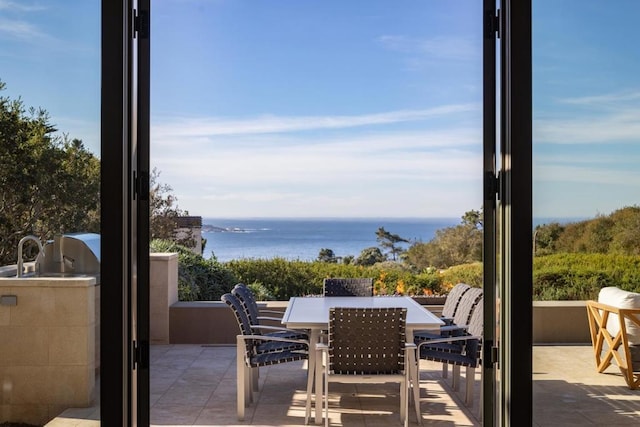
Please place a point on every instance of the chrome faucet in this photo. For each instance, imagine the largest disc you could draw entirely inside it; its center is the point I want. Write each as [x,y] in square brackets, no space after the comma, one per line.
[20,245]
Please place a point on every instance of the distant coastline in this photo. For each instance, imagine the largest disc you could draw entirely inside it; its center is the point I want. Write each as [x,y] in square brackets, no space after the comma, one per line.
[303,238]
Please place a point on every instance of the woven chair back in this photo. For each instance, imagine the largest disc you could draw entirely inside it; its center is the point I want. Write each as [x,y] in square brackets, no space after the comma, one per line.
[477,318]
[348,287]
[465,308]
[241,317]
[453,299]
[248,300]
[367,341]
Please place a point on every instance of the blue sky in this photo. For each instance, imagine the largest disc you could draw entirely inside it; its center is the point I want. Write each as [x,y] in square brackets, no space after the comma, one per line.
[329,108]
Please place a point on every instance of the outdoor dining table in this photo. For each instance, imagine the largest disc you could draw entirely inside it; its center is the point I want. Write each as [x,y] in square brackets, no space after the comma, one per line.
[312,313]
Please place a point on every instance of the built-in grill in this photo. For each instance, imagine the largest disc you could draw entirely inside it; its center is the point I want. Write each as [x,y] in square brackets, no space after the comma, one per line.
[68,254]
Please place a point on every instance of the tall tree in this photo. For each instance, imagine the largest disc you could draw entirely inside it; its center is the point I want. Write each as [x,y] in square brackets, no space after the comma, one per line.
[49,184]
[163,209]
[327,255]
[389,241]
[370,256]
[451,246]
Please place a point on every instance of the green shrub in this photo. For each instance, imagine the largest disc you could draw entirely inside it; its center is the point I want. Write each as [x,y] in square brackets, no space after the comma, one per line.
[580,276]
[199,279]
[471,274]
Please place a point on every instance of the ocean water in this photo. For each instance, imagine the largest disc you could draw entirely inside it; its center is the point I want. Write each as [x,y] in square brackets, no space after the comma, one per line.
[303,239]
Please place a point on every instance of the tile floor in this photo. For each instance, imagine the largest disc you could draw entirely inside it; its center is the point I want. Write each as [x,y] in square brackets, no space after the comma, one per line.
[194,385]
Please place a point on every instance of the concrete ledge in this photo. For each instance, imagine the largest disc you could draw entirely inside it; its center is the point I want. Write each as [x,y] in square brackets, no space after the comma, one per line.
[560,322]
[211,322]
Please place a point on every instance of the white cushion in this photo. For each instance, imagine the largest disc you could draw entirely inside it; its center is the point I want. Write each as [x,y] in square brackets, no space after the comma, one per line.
[616,297]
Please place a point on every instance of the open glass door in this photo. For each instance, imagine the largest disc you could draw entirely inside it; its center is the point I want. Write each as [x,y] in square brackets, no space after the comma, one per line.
[124,220]
[490,377]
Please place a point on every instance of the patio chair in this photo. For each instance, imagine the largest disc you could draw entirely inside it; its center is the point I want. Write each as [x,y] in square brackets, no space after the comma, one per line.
[348,287]
[254,351]
[468,302]
[614,323]
[452,302]
[250,305]
[366,345]
[462,350]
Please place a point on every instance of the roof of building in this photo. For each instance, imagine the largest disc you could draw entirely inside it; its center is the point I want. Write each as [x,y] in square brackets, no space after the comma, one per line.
[189,221]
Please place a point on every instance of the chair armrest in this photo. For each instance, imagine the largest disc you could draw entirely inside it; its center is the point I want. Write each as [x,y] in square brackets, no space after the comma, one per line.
[274,319]
[272,313]
[454,330]
[448,321]
[450,340]
[275,328]
[264,338]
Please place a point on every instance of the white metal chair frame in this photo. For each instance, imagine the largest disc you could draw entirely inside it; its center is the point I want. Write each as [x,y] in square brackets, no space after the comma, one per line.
[355,336]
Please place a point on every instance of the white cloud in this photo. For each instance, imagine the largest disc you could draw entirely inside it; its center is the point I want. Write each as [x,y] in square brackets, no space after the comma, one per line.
[586,175]
[211,126]
[23,6]
[603,100]
[392,176]
[21,30]
[439,47]
[603,119]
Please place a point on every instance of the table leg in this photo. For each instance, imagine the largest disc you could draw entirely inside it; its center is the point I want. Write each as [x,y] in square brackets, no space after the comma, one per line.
[414,377]
[314,337]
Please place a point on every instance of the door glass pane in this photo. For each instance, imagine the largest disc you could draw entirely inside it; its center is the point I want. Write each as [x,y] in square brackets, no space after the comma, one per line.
[586,147]
[49,184]
[300,115]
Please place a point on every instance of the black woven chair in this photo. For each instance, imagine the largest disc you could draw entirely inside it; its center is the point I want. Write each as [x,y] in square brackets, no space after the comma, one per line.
[465,307]
[366,345]
[348,287]
[255,350]
[460,322]
[462,350]
[452,302]
[248,300]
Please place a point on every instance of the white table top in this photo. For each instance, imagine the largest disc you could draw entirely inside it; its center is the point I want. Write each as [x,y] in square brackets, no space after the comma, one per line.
[313,313]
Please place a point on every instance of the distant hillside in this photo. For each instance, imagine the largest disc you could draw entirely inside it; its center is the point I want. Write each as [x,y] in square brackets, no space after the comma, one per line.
[616,233]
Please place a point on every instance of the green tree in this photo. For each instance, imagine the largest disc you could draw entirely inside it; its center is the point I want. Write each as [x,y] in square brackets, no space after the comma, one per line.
[163,209]
[389,241]
[327,255]
[545,238]
[49,184]
[451,246]
[370,256]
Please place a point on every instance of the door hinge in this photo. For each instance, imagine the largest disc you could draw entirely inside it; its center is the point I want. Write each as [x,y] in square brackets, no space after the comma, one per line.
[491,353]
[491,186]
[141,24]
[492,24]
[141,185]
[140,354]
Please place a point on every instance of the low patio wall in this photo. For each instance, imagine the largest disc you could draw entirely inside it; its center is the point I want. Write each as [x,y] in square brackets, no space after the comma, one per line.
[211,322]
[560,322]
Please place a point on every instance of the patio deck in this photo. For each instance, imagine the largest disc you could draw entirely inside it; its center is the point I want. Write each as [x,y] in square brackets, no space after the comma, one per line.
[194,385]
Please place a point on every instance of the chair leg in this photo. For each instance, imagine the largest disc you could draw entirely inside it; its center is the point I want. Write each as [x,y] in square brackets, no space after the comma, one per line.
[404,401]
[471,377]
[255,378]
[455,381]
[310,378]
[415,385]
[241,382]
[325,393]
